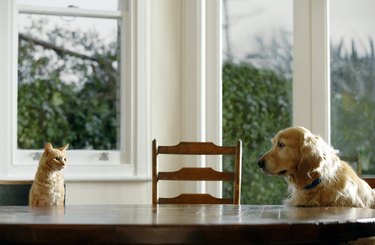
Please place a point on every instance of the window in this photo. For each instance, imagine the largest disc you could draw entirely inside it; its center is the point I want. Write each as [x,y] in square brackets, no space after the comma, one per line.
[353,82]
[78,83]
[311,69]
[257,86]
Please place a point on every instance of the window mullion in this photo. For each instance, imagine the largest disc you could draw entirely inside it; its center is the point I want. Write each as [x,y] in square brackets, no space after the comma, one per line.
[311,94]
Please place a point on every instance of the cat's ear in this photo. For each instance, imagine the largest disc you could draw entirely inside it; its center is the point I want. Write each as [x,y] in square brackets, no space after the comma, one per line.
[63,148]
[48,146]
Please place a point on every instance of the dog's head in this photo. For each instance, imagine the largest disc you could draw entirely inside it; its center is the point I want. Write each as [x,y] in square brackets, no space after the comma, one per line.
[296,154]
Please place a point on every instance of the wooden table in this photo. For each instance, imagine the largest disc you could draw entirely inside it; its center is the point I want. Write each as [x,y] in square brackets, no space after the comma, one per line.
[183,224]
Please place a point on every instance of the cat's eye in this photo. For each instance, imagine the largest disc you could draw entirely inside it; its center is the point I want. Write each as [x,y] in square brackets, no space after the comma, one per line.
[58,158]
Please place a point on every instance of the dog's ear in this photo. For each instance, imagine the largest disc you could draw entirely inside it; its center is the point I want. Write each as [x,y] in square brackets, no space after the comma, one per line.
[312,156]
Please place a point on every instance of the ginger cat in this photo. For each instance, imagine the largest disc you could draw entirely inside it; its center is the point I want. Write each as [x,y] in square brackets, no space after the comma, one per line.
[48,187]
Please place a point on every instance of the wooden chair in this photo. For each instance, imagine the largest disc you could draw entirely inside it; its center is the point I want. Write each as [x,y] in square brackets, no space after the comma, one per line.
[14,192]
[197,173]
[370,181]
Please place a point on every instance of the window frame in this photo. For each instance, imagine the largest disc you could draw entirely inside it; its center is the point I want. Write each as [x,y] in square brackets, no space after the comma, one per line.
[129,162]
[311,67]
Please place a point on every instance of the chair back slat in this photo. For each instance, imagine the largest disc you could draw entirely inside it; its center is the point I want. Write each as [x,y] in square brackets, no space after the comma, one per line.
[197,148]
[195,199]
[197,174]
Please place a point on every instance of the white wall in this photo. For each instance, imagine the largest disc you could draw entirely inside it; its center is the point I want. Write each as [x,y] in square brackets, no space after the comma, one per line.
[106,192]
[165,106]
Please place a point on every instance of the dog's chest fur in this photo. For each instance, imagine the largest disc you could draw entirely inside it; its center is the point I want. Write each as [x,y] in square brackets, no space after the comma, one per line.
[344,189]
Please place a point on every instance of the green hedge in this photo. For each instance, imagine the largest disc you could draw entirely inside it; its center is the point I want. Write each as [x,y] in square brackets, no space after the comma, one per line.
[256,104]
[353,105]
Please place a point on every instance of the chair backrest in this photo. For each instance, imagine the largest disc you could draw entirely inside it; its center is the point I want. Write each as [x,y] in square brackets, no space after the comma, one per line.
[15,192]
[197,173]
[370,182]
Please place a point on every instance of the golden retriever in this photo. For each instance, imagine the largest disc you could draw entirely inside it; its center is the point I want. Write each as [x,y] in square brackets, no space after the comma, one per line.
[315,174]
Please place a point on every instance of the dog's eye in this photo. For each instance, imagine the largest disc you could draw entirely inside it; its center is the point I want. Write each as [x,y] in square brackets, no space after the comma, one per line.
[280,144]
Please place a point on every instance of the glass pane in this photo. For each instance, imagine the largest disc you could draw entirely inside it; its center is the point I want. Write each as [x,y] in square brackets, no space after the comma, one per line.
[257,87]
[353,82]
[68,79]
[108,5]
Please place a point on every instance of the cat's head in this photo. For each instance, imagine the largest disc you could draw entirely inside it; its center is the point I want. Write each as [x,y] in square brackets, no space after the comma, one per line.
[55,158]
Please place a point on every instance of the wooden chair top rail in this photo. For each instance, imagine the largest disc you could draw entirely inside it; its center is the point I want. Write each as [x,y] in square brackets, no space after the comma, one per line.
[200,198]
[208,174]
[195,148]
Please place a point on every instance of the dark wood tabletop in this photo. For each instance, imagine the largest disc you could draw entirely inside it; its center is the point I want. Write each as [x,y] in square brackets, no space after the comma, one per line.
[183,224]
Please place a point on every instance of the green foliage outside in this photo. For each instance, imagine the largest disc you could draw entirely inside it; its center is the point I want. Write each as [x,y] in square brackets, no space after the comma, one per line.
[81,112]
[256,104]
[353,105]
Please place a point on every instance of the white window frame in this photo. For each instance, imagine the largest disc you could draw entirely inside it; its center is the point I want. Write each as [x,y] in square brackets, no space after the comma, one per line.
[311,67]
[130,162]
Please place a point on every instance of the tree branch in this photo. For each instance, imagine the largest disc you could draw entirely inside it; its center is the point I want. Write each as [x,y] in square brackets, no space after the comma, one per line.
[59,50]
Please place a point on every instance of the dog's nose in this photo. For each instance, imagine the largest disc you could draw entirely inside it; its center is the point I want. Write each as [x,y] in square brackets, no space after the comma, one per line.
[261,163]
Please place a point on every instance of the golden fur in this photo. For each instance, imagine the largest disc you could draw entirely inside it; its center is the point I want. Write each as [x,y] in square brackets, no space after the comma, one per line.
[303,158]
[48,187]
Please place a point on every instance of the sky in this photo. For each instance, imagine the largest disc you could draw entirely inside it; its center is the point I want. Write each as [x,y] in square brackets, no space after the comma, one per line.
[249,19]
[353,19]
[349,19]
